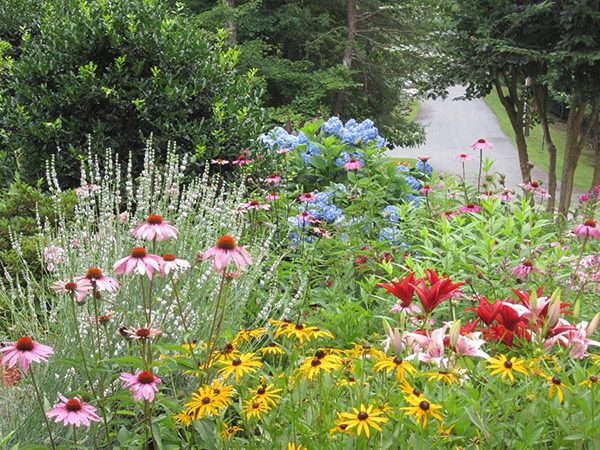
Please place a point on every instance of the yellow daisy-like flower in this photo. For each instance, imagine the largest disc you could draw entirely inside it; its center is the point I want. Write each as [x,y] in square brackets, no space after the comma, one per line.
[445,432]
[340,427]
[294,446]
[227,353]
[591,381]
[272,349]
[244,363]
[396,363]
[363,419]
[222,392]
[364,351]
[313,366]
[204,403]
[333,351]
[595,359]
[255,408]
[411,390]
[504,367]
[268,394]
[349,381]
[183,418]
[230,431]
[301,332]
[443,375]
[421,409]
[247,335]
[555,385]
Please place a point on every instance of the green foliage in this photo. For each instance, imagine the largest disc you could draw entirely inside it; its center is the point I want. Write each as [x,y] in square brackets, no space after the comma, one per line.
[121,71]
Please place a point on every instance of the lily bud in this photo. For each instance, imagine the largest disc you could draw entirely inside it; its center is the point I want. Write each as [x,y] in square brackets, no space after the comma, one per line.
[554,313]
[533,300]
[593,325]
[454,333]
[577,310]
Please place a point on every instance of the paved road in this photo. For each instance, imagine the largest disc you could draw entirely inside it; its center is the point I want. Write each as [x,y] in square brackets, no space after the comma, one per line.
[452,126]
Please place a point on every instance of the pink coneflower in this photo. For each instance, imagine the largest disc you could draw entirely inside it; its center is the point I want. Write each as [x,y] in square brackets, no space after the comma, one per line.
[23,352]
[103,319]
[424,158]
[481,144]
[225,251]
[447,214]
[143,384]
[532,186]
[317,231]
[463,157]
[219,162]
[272,197]
[426,189]
[72,411]
[305,217]
[103,283]
[506,195]
[139,261]
[242,160]
[254,204]
[155,228]
[523,270]
[470,207]
[307,197]
[79,288]
[488,195]
[172,263]
[587,228]
[144,333]
[273,179]
[353,164]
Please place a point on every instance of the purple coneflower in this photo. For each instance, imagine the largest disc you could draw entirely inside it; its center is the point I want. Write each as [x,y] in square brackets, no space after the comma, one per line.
[139,261]
[72,411]
[587,228]
[103,283]
[155,228]
[225,251]
[79,288]
[23,352]
[143,384]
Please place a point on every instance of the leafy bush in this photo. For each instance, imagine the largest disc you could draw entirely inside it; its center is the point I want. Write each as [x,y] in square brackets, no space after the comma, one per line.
[122,70]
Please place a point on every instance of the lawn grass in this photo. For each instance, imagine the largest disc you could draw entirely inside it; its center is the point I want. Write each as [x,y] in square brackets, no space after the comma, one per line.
[537,149]
[414,110]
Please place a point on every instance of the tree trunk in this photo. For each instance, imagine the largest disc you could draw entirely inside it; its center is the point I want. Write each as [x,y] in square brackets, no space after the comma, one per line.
[230,24]
[596,147]
[576,139]
[540,94]
[340,98]
[514,109]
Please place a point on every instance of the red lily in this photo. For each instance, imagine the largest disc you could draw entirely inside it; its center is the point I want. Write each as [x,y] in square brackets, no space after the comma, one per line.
[438,290]
[403,289]
[486,311]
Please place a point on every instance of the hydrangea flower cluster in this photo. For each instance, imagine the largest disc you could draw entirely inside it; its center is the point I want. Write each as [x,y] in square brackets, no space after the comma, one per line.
[345,157]
[323,209]
[353,132]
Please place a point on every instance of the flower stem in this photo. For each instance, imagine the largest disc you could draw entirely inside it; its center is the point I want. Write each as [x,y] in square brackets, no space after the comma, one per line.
[183,321]
[41,403]
[74,436]
[480,168]
[210,344]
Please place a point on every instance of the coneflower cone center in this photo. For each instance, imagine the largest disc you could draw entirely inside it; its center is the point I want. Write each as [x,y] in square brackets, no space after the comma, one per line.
[25,344]
[145,377]
[73,405]
[71,286]
[154,219]
[138,252]
[470,205]
[481,141]
[169,257]
[93,273]
[143,332]
[527,263]
[226,243]
[590,223]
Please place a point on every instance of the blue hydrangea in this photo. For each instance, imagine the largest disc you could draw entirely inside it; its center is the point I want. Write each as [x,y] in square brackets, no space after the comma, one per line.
[391,213]
[424,167]
[345,157]
[294,238]
[327,213]
[414,199]
[311,150]
[322,198]
[333,127]
[412,182]
[352,132]
[402,169]
[279,138]
[390,234]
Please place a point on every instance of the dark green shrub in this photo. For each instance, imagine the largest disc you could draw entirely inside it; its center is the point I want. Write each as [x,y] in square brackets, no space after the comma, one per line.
[122,70]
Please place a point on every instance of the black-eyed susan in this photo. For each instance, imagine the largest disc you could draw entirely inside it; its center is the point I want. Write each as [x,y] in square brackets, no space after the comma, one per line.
[227,353]
[183,418]
[590,382]
[229,431]
[294,446]
[246,335]
[267,393]
[255,408]
[555,385]
[315,365]
[363,419]
[500,365]
[595,359]
[340,427]
[302,332]
[204,403]
[272,349]
[397,364]
[244,363]
[411,390]
[364,351]
[448,376]
[445,432]
[422,409]
[222,392]
[348,381]
[385,408]
[333,351]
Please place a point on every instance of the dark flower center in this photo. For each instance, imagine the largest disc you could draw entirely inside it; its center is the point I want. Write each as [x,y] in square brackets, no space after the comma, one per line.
[154,219]
[254,203]
[226,242]
[261,390]
[143,332]
[145,377]
[416,392]
[228,348]
[236,362]
[424,405]
[362,415]
[535,184]
[299,327]
[593,378]
[481,141]
[320,354]
[206,400]
[508,364]
[216,391]
[343,426]
[315,362]
[169,257]
[25,344]
[527,263]
[590,223]
[398,360]
[71,286]
[470,205]
[73,405]
[138,252]
[351,379]
[556,380]
[93,273]
[255,405]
